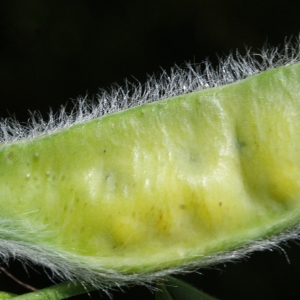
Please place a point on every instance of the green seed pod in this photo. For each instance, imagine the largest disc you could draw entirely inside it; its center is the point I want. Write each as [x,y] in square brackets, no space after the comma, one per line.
[193,177]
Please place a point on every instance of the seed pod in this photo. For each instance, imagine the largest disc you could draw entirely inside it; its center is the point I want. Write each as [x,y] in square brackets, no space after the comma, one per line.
[153,189]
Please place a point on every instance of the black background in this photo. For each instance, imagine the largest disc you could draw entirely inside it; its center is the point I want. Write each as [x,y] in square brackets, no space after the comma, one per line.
[52,51]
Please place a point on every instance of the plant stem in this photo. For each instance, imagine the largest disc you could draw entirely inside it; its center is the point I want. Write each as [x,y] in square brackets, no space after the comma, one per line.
[59,291]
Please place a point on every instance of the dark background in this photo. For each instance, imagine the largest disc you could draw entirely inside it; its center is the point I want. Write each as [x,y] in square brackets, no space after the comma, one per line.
[52,51]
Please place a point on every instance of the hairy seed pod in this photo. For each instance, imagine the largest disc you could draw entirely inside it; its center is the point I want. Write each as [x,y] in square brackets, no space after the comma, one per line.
[156,188]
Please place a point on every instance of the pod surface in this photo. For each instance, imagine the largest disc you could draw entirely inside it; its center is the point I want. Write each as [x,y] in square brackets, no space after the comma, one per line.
[164,183]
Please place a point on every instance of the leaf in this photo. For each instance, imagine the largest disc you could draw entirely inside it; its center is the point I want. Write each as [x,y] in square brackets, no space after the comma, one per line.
[163,293]
[58,292]
[5,295]
[175,289]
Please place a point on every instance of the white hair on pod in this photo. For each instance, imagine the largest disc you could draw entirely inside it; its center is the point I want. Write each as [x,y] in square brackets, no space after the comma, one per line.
[179,81]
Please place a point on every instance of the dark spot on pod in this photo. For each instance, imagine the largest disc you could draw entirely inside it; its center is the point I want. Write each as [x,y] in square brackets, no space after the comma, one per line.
[182,206]
[241,144]
[193,157]
[160,216]
[220,203]
[104,151]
